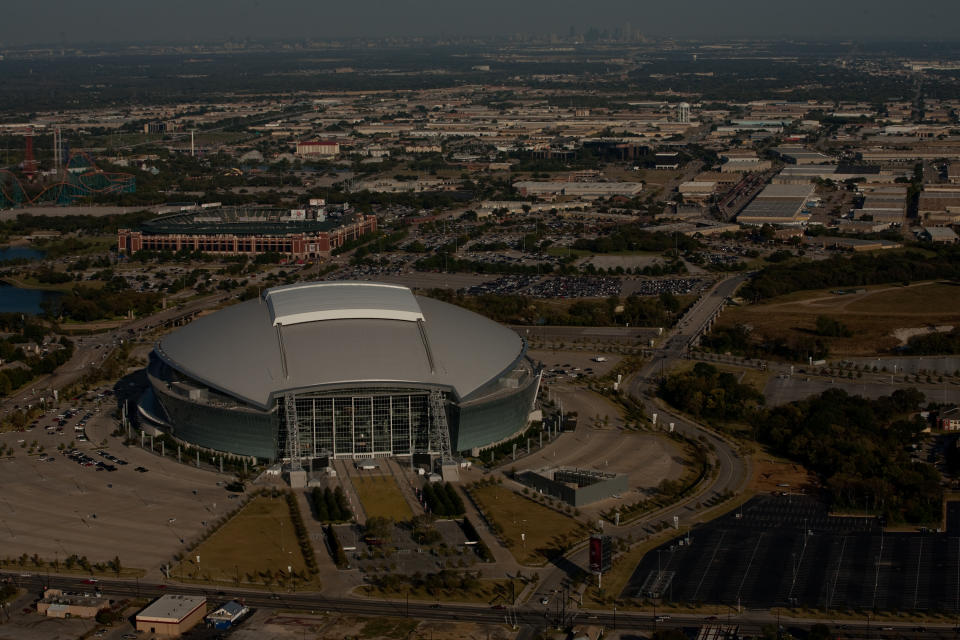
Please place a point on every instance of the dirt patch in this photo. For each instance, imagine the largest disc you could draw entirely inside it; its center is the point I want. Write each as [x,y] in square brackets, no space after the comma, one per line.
[336,627]
[904,334]
[462,631]
[777,476]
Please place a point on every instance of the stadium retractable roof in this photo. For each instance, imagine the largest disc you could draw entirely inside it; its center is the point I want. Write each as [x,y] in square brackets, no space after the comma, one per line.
[305,336]
[316,301]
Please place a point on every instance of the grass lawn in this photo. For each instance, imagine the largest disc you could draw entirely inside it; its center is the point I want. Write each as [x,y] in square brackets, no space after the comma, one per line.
[25,282]
[745,375]
[258,540]
[487,592]
[381,496]
[547,532]
[871,316]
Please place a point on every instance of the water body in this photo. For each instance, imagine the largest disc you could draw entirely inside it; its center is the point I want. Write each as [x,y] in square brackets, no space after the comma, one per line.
[20,253]
[16,300]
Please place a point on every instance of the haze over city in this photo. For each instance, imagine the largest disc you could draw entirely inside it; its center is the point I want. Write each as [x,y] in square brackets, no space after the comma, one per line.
[180,20]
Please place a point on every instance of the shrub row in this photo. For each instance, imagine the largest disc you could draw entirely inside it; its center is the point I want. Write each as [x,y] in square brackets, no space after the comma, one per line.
[303,537]
[330,506]
[442,499]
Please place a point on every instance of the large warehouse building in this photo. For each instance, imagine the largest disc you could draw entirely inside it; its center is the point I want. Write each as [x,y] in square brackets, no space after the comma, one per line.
[340,369]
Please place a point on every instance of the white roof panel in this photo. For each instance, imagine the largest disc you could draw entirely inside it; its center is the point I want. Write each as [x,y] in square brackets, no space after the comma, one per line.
[316,301]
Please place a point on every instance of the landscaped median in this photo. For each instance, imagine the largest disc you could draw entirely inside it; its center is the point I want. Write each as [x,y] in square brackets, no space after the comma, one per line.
[381,497]
[532,532]
[71,565]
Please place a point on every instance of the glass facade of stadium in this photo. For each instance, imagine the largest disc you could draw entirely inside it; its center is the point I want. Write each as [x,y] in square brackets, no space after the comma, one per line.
[350,421]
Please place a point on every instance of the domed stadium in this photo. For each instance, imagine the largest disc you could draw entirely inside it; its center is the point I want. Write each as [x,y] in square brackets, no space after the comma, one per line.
[340,370]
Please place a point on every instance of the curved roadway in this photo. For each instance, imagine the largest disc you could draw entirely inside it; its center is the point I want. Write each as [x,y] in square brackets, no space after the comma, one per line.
[730,471]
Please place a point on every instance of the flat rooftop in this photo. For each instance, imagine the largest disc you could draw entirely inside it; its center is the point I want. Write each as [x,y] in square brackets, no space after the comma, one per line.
[171,608]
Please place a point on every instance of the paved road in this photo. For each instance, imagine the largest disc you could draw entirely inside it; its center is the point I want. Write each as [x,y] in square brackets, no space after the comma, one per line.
[92,350]
[732,471]
[533,616]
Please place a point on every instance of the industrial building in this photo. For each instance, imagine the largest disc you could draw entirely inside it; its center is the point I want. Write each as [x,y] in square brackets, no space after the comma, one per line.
[57,603]
[779,204]
[340,369]
[299,233]
[582,190]
[171,615]
[576,487]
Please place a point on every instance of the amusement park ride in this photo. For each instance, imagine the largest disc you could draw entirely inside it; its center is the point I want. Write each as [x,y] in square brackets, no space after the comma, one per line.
[77,178]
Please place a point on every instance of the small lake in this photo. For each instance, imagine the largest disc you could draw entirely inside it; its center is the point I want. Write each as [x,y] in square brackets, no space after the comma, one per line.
[16,300]
[19,253]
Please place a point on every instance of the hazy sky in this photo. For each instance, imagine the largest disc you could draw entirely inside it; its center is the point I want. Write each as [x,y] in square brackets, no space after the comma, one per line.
[79,21]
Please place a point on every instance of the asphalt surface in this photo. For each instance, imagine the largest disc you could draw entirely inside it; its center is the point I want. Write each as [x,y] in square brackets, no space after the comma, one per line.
[532,616]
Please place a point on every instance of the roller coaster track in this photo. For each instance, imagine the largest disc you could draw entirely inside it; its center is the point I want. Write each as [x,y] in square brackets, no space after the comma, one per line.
[82,179]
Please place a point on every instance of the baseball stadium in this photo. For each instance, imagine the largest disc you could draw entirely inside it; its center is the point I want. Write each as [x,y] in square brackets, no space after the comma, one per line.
[340,370]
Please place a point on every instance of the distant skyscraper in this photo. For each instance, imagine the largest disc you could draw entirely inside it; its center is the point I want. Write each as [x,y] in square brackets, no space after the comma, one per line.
[627,32]
[683,113]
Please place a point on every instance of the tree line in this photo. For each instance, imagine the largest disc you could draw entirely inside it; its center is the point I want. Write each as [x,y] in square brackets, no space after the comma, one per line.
[641,311]
[859,448]
[740,340]
[707,392]
[23,331]
[936,343]
[858,270]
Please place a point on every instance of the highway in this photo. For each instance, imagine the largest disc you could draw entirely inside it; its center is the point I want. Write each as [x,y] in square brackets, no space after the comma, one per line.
[533,616]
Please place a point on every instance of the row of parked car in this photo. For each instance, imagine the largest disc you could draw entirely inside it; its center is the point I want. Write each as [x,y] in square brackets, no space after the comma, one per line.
[84,460]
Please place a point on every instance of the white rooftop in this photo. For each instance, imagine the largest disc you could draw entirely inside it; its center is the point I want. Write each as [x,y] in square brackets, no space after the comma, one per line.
[316,301]
[171,608]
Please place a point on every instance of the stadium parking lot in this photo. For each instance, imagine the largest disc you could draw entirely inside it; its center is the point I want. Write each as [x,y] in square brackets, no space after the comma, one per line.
[78,506]
[787,549]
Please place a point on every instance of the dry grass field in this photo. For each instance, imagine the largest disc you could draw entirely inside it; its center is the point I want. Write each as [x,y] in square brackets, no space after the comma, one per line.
[546,530]
[872,316]
[259,539]
[381,496]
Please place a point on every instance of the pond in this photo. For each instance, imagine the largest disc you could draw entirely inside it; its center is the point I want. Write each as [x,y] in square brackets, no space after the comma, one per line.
[17,300]
[19,253]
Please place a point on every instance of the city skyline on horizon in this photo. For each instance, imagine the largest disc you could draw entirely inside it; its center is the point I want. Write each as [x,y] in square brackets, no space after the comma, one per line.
[111,21]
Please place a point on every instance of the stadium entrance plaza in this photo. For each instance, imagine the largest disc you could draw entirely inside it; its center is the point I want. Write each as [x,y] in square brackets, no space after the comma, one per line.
[604,445]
